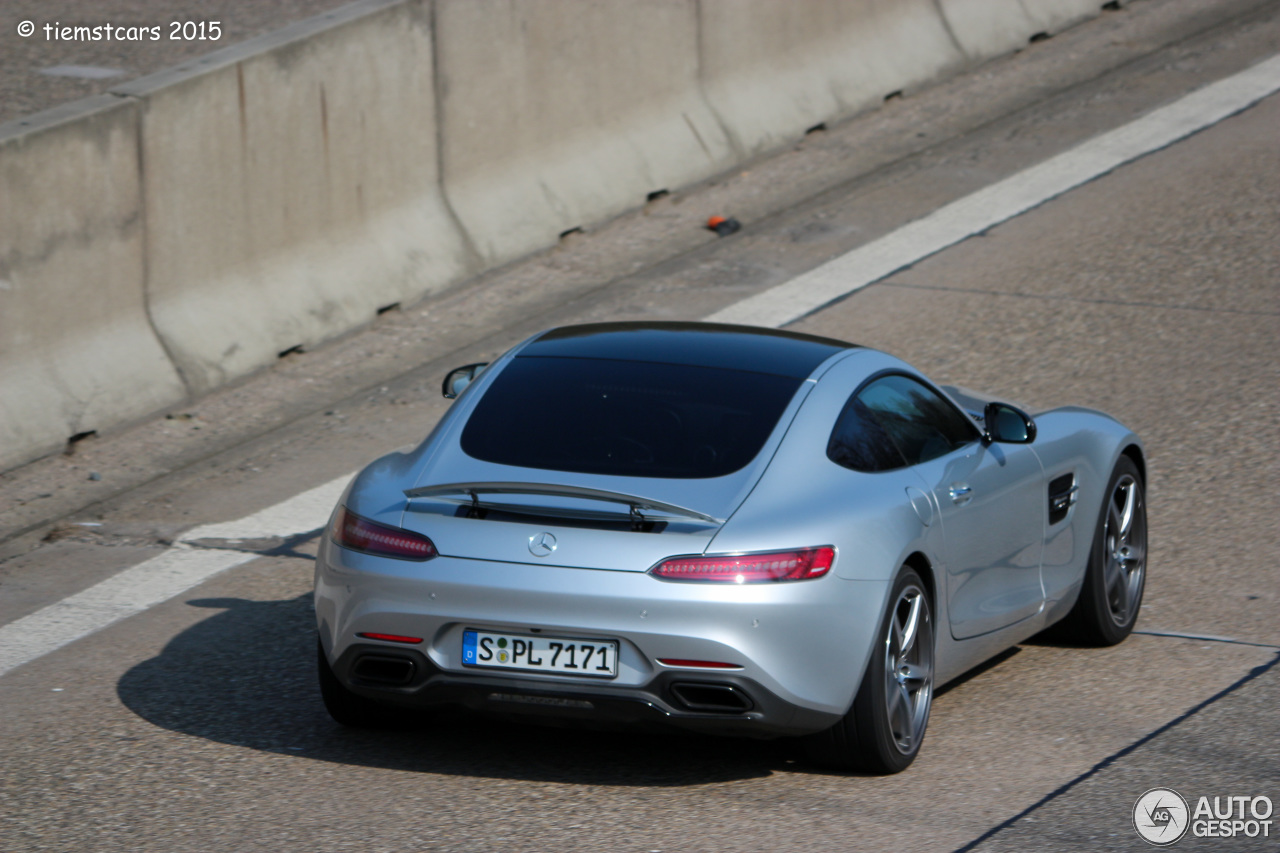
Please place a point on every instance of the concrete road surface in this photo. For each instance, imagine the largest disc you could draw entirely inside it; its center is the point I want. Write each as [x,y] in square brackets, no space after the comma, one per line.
[1149,292]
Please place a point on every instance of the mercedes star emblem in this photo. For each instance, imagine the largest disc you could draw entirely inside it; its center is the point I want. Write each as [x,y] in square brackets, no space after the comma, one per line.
[542,544]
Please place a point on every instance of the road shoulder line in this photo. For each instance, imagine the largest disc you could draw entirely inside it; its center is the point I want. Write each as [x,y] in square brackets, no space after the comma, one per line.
[160,578]
[1002,201]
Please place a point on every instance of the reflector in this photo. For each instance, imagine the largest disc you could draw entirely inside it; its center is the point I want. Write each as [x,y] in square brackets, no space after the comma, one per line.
[390,638]
[703,664]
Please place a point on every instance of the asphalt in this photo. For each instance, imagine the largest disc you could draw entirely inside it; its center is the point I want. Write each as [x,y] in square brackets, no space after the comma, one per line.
[1200,750]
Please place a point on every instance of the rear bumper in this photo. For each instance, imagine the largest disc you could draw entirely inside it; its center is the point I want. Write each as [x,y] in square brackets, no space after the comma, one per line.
[799,647]
[713,703]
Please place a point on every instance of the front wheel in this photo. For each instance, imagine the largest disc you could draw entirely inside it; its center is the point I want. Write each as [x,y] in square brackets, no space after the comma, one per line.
[1111,596]
[883,730]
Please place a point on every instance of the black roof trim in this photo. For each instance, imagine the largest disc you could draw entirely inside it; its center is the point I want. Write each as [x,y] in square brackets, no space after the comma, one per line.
[749,348]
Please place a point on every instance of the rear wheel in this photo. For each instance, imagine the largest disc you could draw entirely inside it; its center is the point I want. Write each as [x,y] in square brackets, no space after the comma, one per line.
[1111,596]
[347,708]
[884,728]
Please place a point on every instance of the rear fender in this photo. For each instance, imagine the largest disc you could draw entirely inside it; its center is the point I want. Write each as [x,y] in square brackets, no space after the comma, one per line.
[1085,445]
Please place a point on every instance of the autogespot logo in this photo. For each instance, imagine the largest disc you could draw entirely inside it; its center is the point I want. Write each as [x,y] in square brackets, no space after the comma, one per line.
[1161,816]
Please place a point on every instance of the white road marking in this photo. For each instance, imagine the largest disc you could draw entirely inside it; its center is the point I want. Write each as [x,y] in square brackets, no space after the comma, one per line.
[162,577]
[122,595]
[1004,200]
[299,514]
[184,566]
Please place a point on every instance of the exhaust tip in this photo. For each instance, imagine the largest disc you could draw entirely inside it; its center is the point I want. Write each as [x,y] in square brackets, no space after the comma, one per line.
[713,698]
[384,670]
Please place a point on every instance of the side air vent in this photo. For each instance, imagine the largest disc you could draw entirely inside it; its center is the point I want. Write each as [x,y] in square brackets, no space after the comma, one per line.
[1062,496]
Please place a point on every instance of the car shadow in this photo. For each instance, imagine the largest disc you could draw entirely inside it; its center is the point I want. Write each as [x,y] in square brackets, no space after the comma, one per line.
[984,667]
[246,676]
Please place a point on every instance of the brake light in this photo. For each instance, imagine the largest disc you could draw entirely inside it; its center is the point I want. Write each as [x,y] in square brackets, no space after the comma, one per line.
[800,564]
[360,534]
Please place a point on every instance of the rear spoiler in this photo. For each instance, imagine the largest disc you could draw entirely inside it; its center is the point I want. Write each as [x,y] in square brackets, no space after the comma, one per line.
[642,509]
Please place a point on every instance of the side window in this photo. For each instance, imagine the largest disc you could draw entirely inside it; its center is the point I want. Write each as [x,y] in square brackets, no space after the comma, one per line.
[896,421]
[860,443]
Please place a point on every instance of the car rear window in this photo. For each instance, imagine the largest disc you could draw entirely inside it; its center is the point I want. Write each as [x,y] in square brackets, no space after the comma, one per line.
[625,418]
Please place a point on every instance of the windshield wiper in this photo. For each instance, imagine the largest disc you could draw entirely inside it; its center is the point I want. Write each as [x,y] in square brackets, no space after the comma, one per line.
[469,494]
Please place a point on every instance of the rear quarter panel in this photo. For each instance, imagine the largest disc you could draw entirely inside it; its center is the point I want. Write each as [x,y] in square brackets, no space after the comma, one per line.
[804,500]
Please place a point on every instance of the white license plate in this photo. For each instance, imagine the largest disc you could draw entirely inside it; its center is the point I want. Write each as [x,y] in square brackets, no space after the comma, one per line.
[597,658]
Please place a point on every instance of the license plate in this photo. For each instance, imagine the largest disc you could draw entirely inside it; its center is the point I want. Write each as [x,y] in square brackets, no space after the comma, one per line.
[595,658]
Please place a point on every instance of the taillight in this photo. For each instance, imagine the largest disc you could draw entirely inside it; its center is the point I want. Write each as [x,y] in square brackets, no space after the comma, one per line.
[797,565]
[360,534]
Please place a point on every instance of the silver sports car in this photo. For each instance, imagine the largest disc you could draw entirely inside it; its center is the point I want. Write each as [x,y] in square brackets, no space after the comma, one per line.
[729,529]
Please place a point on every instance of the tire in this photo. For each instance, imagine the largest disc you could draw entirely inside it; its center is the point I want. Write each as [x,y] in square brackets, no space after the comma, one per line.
[1115,579]
[347,708]
[883,729]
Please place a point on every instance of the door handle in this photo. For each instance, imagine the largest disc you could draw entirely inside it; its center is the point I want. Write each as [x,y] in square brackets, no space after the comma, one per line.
[961,493]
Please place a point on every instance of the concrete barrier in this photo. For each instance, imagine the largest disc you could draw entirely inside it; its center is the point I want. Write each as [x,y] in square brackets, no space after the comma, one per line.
[291,188]
[1053,16]
[77,353]
[198,222]
[562,113]
[987,28]
[772,70]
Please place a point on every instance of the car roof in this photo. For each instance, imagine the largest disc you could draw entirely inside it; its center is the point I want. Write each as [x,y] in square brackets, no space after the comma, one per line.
[748,348]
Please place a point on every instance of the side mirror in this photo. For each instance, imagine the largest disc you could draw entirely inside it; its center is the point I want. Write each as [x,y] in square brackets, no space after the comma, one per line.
[1007,425]
[456,380]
